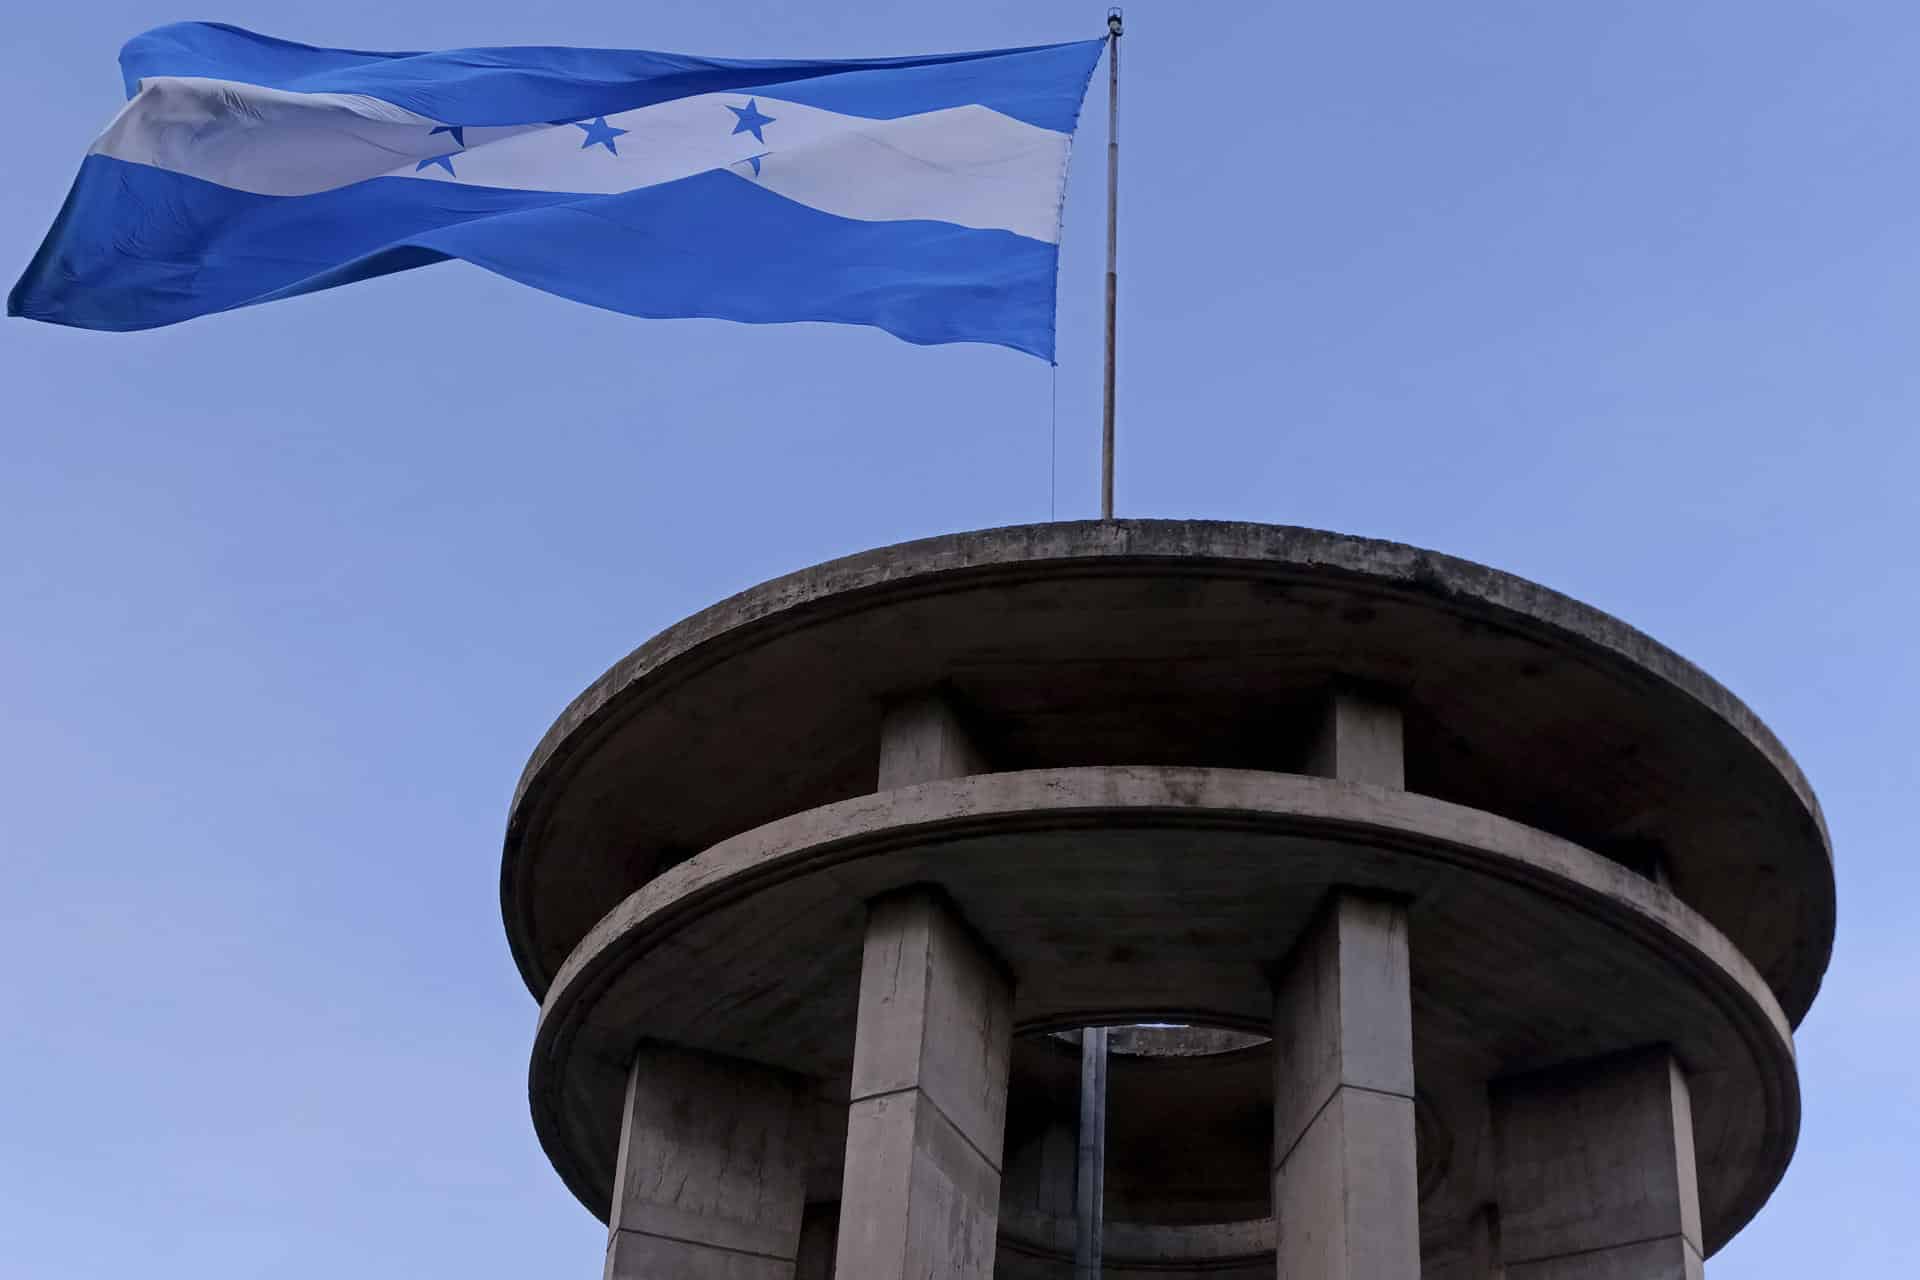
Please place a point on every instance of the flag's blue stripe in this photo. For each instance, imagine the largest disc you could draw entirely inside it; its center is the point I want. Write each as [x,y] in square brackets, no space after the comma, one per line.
[1042,85]
[138,246]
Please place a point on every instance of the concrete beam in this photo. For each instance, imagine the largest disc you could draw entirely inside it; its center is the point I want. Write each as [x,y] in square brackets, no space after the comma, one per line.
[711,1179]
[922,739]
[1345,1185]
[1360,739]
[1596,1171]
[926,1124]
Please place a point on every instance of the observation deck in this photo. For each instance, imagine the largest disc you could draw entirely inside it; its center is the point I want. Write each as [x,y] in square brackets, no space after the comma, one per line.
[1499,913]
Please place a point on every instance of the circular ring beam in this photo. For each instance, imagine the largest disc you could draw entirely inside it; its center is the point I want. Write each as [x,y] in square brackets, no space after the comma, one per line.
[1130,893]
[1173,644]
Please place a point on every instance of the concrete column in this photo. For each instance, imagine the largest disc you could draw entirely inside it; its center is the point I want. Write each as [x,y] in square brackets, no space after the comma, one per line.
[927,1121]
[1596,1174]
[1345,1186]
[1359,740]
[1090,1175]
[712,1171]
[922,739]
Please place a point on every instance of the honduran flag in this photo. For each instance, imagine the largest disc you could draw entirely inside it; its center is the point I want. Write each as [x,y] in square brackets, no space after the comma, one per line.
[921,195]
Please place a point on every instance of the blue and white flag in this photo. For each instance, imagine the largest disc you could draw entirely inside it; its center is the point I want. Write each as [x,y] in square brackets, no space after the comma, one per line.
[920,195]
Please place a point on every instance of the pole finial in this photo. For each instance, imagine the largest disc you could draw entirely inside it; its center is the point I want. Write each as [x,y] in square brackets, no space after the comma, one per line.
[1113,21]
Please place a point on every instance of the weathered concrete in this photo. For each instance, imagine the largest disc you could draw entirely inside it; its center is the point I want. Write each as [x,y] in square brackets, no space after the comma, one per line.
[927,1115]
[1139,759]
[1090,1171]
[1198,879]
[712,1170]
[1345,1183]
[1041,1248]
[1360,740]
[1596,1172]
[1180,643]
[922,739]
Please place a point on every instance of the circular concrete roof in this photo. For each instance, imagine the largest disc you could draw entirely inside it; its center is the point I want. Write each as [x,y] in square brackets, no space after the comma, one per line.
[1171,643]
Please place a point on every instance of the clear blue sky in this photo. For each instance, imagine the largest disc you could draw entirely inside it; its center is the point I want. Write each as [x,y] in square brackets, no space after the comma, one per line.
[1623,297]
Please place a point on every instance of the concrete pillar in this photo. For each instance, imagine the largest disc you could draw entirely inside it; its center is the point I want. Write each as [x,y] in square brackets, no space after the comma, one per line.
[712,1171]
[1345,1185]
[927,1121]
[1090,1174]
[1359,740]
[922,740]
[1595,1172]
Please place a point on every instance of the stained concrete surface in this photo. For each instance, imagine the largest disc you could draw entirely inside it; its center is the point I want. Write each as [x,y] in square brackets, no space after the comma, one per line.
[1124,767]
[1186,643]
[1199,883]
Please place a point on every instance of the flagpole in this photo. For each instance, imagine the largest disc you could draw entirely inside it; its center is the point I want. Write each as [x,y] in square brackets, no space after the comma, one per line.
[1113,251]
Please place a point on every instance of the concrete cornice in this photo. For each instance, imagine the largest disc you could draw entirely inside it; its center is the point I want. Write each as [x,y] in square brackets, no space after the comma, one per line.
[1783,918]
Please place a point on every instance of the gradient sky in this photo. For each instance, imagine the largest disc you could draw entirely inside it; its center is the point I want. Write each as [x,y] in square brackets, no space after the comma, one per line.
[1622,297]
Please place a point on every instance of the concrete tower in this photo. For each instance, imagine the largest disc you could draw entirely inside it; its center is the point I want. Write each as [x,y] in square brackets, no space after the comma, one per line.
[1487,919]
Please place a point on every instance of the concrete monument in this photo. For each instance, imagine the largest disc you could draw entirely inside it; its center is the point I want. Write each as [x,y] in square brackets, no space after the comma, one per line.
[1443,926]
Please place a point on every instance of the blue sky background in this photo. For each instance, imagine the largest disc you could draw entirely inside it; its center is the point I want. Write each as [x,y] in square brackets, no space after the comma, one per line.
[1622,297]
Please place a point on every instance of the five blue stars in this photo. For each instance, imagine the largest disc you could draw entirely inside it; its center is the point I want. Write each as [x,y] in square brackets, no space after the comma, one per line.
[601,132]
[748,120]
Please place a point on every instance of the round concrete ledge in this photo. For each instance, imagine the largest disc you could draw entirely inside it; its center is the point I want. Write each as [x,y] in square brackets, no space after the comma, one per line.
[1152,1040]
[1171,643]
[1224,1250]
[1127,894]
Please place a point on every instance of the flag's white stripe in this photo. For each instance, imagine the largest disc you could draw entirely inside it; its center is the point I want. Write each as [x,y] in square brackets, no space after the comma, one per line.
[967,165]
[266,141]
